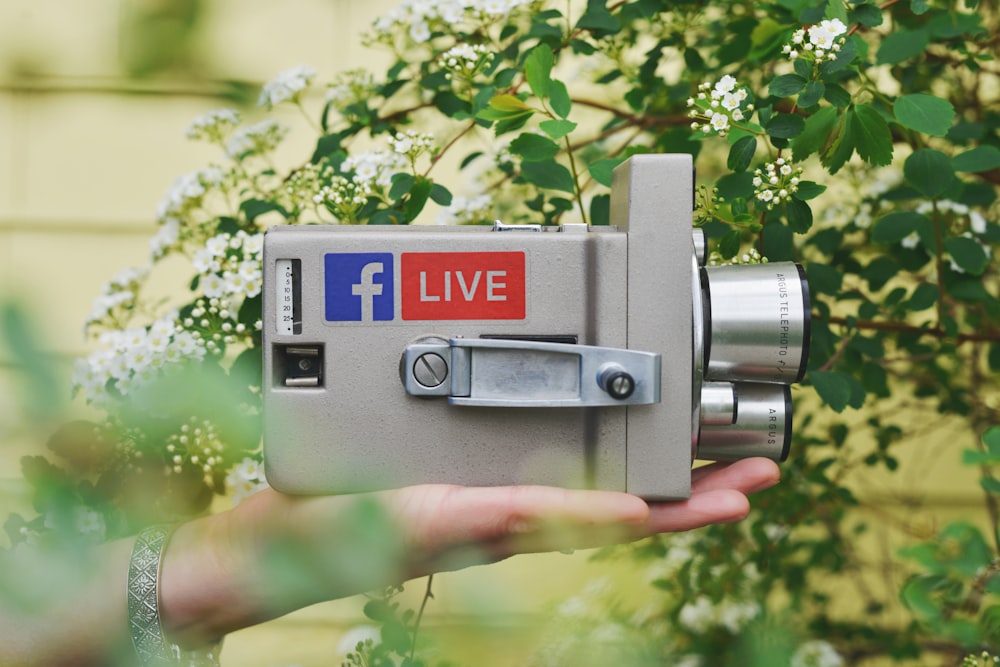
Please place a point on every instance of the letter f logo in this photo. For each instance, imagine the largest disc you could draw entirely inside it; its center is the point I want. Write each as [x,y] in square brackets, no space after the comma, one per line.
[367,289]
[360,287]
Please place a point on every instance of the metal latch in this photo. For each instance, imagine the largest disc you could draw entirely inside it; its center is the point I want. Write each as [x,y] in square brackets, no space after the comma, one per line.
[529,374]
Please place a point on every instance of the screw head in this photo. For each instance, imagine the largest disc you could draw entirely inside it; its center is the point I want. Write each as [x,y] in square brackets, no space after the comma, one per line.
[430,370]
[617,382]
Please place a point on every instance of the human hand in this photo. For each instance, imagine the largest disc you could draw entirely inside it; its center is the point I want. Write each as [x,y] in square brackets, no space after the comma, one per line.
[276,553]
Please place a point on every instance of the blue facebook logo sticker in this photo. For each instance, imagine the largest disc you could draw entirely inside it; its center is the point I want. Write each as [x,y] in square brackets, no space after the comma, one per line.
[359,287]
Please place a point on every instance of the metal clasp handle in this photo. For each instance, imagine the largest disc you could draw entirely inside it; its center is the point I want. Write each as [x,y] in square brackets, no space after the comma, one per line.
[529,374]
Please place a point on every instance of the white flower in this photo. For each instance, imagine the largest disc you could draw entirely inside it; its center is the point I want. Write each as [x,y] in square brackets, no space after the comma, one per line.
[218,244]
[420,32]
[165,238]
[725,84]
[286,86]
[816,653]
[977,223]
[734,615]
[263,137]
[697,616]
[245,479]
[213,285]
[214,125]
[719,122]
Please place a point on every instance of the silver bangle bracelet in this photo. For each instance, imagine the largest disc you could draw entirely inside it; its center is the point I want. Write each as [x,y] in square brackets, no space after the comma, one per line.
[144,607]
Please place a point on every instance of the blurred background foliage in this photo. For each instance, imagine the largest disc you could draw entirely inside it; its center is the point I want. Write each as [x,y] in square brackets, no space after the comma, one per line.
[881,545]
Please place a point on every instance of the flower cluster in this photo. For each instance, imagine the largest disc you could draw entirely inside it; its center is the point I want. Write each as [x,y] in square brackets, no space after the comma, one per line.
[716,108]
[825,39]
[257,139]
[187,194]
[374,168]
[816,653]
[196,448]
[984,659]
[245,479]
[344,197]
[732,614]
[287,86]
[420,19]
[230,267]
[131,357]
[964,222]
[467,211]
[751,256]
[213,126]
[465,61]
[412,144]
[350,88]
[117,298]
[776,182]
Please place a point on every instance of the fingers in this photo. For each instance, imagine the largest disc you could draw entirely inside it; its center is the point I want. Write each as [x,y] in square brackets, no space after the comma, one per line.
[702,509]
[445,515]
[748,476]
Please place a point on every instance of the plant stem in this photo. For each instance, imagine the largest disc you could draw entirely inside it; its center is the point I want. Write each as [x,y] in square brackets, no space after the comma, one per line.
[420,615]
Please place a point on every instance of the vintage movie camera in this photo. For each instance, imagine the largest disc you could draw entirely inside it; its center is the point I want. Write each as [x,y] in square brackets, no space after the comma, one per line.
[603,357]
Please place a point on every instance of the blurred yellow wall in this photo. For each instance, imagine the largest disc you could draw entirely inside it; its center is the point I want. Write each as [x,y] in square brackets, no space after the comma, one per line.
[85,155]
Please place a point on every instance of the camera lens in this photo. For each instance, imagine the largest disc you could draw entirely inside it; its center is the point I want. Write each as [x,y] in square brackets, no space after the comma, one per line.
[756,322]
[763,426]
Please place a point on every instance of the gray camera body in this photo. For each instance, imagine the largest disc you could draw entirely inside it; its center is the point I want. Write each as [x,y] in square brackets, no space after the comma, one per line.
[576,356]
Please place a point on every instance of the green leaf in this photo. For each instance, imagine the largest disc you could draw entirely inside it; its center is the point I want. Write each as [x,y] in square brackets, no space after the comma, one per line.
[602,170]
[401,184]
[557,129]
[872,137]
[990,485]
[549,175]
[559,98]
[924,113]
[809,190]
[929,171]
[919,7]
[729,244]
[785,126]
[812,94]
[509,104]
[598,19]
[441,195]
[417,199]
[252,208]
[823,278]
[902,45]
[538,70]
[896,226]
[833,387]
[978,159]
[923,297]
[534,147]
[968,254]
[786,85]
[991,440]
[917,595]
[600,210]
[741,153]
[800,216]
[866,15]
[815,134]
[837,95]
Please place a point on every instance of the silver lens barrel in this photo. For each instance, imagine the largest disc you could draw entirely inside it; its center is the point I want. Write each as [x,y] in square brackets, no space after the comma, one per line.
[763,426]
[756,322]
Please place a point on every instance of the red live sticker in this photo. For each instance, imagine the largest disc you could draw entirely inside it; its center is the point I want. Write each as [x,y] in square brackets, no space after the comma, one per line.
[462,285]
